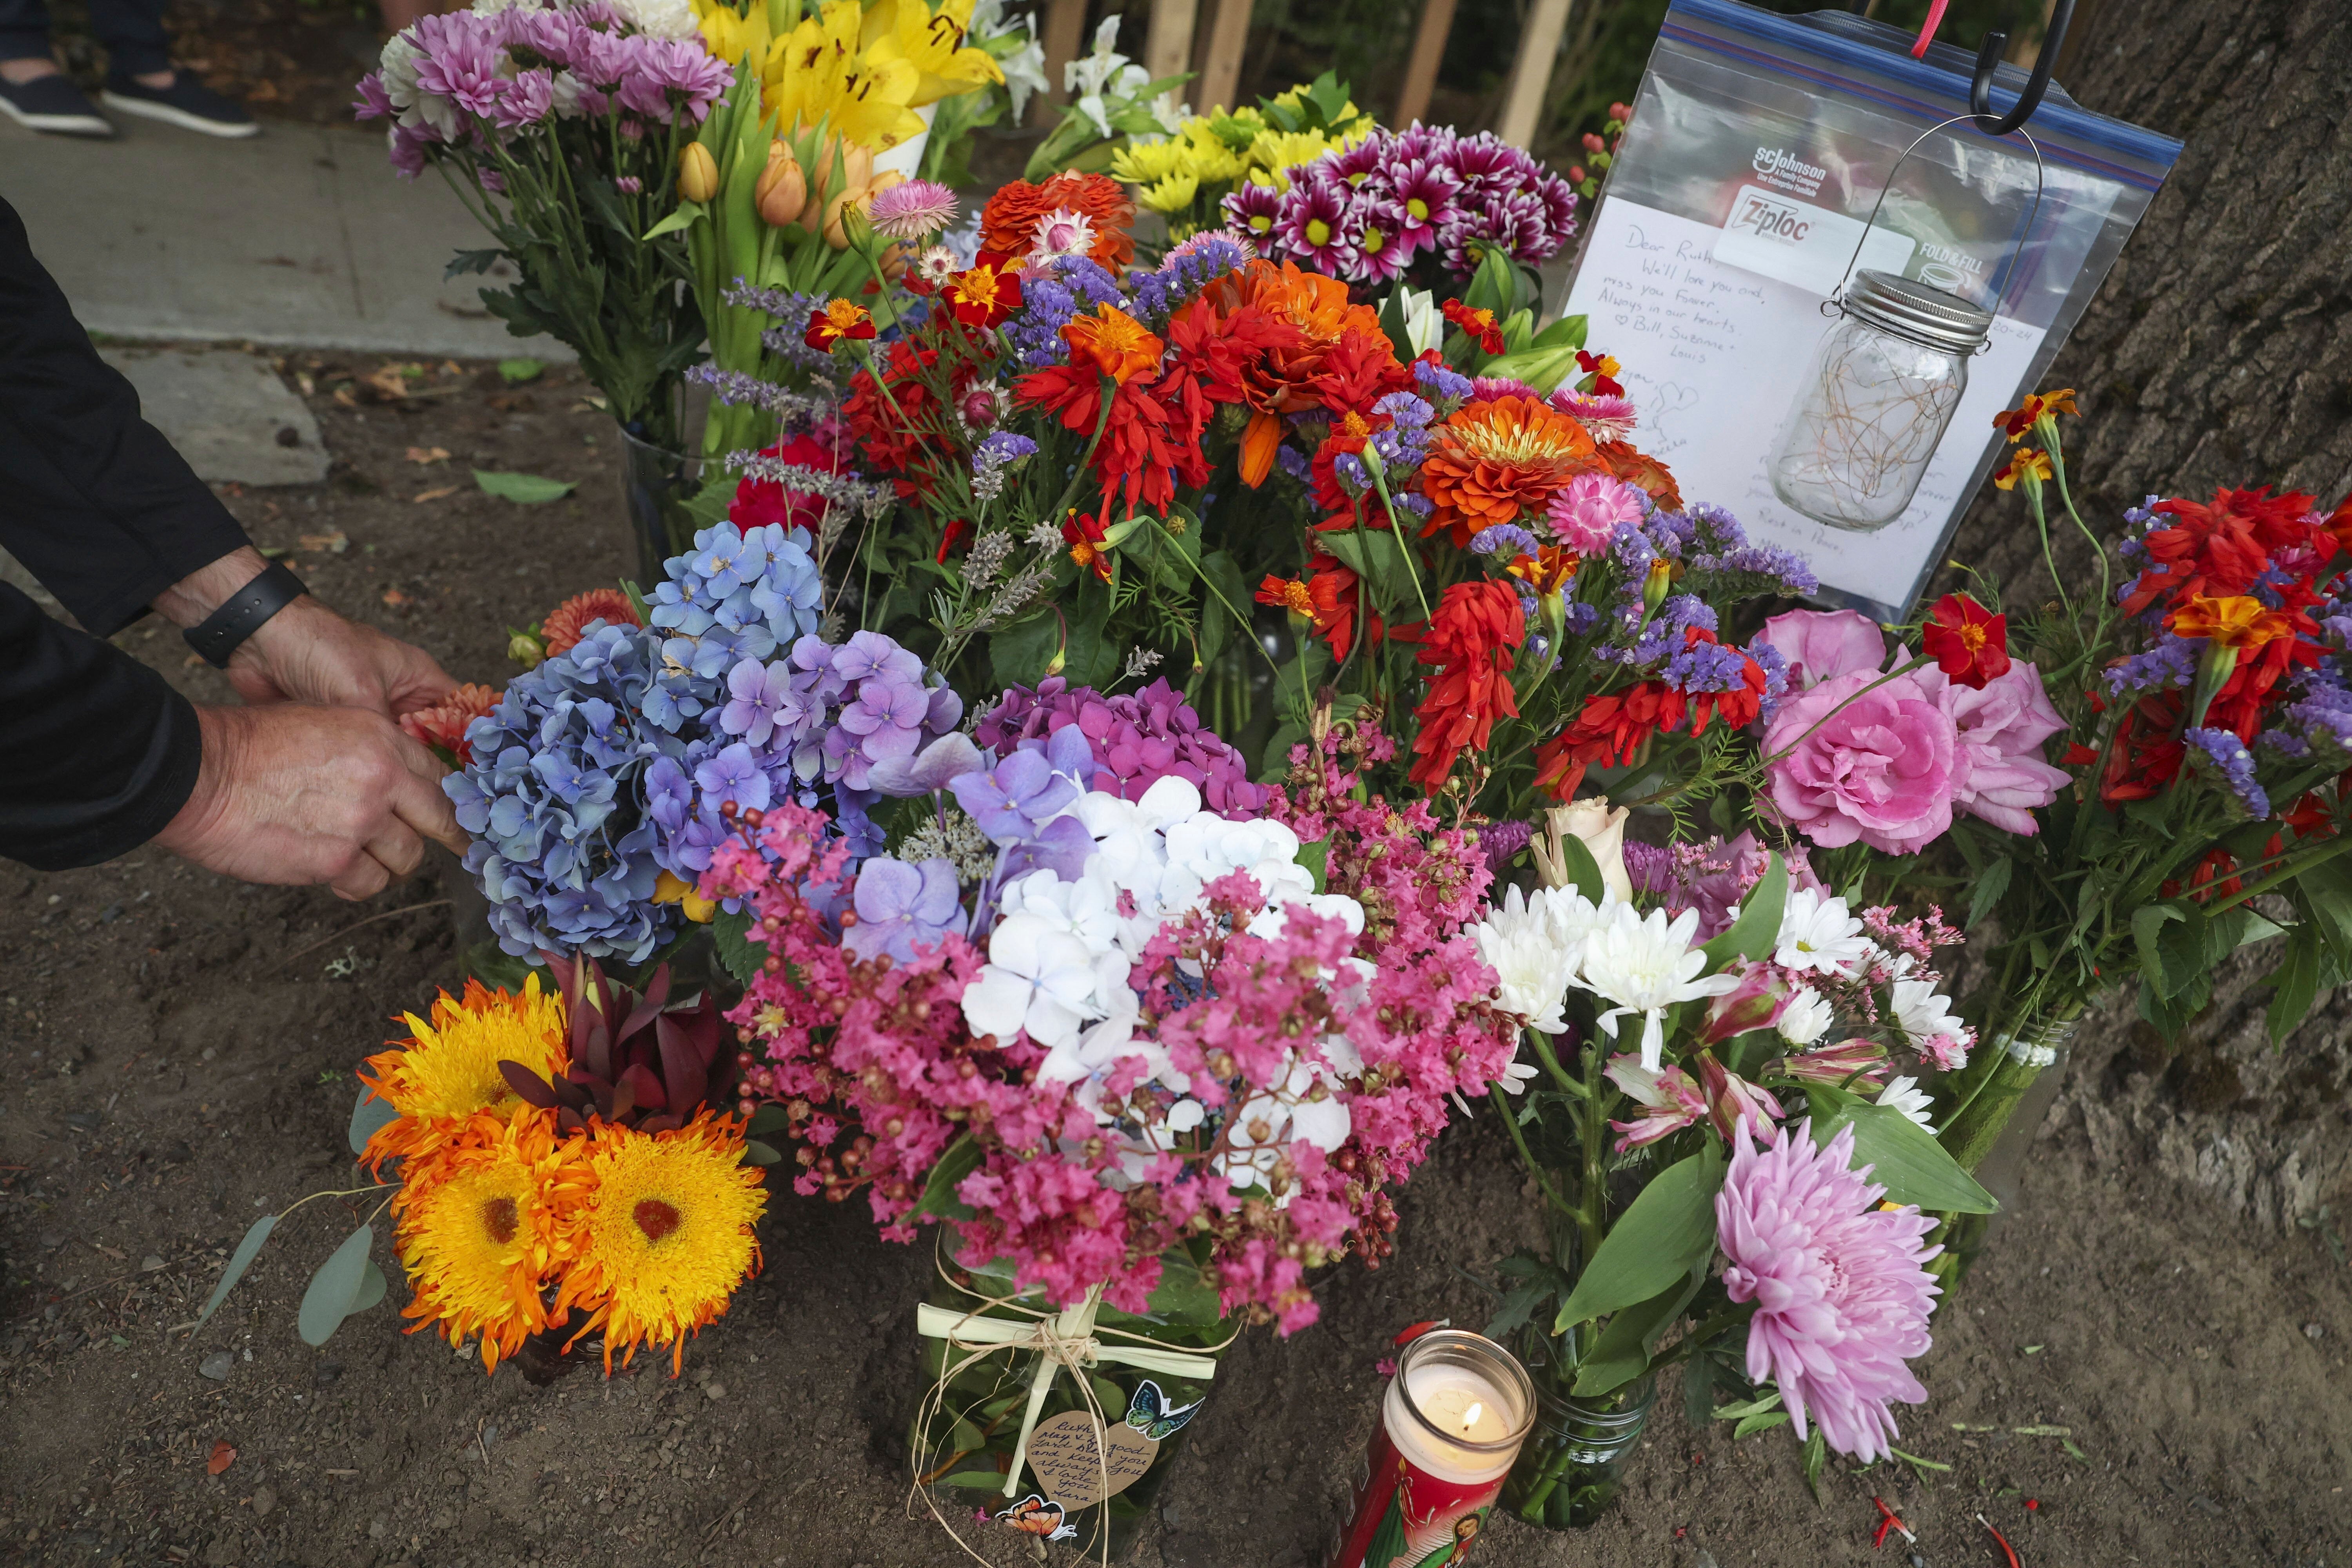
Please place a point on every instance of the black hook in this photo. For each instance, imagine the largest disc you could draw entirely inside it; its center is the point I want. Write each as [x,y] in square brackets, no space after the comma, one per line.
[2053,37]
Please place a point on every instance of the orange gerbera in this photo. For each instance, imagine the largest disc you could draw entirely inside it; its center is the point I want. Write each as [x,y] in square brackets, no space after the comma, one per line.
[2239,621]
[1491,460]
[1008,223]
[1118,345]
[561,631]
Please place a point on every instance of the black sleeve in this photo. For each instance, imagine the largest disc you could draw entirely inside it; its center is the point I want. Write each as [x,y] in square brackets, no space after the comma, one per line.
[93,501]
[97,754]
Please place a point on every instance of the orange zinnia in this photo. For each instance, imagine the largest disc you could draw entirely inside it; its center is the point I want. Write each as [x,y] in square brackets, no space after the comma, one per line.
[1008,223]
[1282,381]
[2240,621]
[1118,345]
[1490,461]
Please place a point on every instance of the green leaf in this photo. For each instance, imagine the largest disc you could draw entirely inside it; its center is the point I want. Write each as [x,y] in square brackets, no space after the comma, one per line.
[1583,872]
[732,944]
[1668,1229]
[1754,934]
[238,1262]
[1755,1423]
[1905,1159]
[2147,923]
[768,1117]
[1741,1412]
[371,1287]
[957,1161]
[1393,322]
[1990,886]
[2294,984]
[683,217]
[1541,368]
[1316,858]
[1817,1454]
[1568,333]
[1625,1346]
[1374,555]
[467,261]
[369,1114]
[334,1288]
[516,372]
[1019,654]
[1219,625]
[524,490]
[1519,1304]
[758,1154]
[1494,287]
[1183,1294]
[975,1480]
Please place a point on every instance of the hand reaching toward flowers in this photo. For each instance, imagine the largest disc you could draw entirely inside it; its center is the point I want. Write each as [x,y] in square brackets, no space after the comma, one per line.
[290,793]
[306,652]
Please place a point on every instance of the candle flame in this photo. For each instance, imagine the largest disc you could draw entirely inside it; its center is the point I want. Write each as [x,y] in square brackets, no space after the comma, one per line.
[1470,1416]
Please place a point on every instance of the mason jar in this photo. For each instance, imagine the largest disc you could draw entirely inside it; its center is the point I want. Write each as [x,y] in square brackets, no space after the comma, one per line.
[1871,411]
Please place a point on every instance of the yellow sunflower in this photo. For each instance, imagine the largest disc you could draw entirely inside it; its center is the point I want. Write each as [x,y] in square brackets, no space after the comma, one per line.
[664,1234]
[448,1069]
[481,1229]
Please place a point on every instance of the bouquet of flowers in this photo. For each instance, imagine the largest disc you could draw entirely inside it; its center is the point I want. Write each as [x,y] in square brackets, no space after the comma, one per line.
[1729,1064]
[560,126]
[1185,171]
[565,1172]
[1147,1038]
[2195,807]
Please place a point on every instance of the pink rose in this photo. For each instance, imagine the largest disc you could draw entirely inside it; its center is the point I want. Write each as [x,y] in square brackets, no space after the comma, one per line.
[1821,645]
[1876,764]
[2001,776]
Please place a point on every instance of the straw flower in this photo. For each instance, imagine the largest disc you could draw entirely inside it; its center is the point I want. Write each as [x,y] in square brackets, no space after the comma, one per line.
[912,211]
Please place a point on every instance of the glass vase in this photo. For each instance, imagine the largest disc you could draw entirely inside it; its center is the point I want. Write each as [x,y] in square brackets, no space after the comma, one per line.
[975,1399]
[1569,1472]
[655,485]
[1994,1134]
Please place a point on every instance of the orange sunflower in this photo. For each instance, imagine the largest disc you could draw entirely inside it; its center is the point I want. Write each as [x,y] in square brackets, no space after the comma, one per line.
[662,1234]
[1491,460]
[447,1069]
[482,1231]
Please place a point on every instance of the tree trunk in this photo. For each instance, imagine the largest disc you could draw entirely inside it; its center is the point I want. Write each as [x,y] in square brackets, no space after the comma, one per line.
[2219,352]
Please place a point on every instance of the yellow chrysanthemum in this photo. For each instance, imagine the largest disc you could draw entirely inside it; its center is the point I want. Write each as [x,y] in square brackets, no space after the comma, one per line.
[663,1234]
[1172,194]
[481,1230]
[1146,162]
[448,1069]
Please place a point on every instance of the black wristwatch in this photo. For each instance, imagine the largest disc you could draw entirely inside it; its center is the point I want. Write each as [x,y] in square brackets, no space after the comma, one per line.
[225,630]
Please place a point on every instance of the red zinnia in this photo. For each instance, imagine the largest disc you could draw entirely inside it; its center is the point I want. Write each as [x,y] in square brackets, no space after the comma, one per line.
[1473,640]
[1970,642]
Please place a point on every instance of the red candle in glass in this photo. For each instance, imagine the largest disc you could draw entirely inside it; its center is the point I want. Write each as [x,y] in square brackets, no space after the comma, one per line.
[1451,1423]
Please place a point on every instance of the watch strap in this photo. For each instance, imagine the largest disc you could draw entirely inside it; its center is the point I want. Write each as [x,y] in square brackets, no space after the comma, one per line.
[224,631]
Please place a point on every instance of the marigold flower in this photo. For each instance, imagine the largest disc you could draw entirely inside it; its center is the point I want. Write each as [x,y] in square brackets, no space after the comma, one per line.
[1480,325]
[1118,345]
[1969,642]
[839,319]
[1085,535]
[2037,406]
[983,294]
[1290,593]
[1600,368]
[481,1232]
[1547,572]
[2239,621]
[2026,463]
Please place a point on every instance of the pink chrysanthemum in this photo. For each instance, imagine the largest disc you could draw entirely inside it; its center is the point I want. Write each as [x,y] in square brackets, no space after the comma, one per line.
[1605,417]
[908,212]
[1842,1302]
[1586,513]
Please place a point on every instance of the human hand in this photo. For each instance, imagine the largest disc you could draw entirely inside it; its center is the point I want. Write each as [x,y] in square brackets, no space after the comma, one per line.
[296,794]
[306,652]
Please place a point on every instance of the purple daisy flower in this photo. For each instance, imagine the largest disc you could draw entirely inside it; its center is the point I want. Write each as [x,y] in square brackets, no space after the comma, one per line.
[1312,227]
[1252,210]
[1376,232]
[1423,191]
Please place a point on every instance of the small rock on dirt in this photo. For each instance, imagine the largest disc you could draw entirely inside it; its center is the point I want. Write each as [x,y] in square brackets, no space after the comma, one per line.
[149,1264]
[2313,1330]
[216,1365]
[264,1499]
[716,1390]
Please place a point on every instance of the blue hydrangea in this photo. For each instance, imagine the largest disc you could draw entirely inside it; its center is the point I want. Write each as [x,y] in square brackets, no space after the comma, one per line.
[562,847]
[735,595]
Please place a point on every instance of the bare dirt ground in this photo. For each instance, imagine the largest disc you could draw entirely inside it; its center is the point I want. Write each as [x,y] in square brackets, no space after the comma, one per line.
[175,1055]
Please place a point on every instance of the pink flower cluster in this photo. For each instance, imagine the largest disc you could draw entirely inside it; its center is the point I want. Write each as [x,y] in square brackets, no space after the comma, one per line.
[1138,739]
[1086,1185]
[1854,753]
[468,77]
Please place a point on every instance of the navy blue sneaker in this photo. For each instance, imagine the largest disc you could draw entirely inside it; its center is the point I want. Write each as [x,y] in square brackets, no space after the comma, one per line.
[54,104]
[186,103]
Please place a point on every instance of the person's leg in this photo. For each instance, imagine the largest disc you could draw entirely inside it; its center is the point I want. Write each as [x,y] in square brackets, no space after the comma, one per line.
[33,92]
[24,40]
[140,78]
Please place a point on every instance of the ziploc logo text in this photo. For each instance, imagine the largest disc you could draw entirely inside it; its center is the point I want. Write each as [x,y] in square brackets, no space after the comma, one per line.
[1778,167]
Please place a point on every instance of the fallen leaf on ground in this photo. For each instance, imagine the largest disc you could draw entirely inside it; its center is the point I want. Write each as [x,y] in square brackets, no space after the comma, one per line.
[527,490]
[389,379]
[223,1456]
[395,597]
[428,454]
[343,397]
[333,543]
[423,496]
[517,370]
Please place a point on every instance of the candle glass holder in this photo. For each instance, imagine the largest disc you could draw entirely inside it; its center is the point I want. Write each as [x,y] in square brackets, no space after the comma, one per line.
[1451,1423]
[962,1443]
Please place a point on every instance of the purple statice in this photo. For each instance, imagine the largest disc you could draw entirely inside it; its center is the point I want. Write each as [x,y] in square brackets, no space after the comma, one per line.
[1500,841]
[1583,618]
[1188,269]
[2168,664]
[1295,463]
[1066,287]
[2235,764]
[561,846]
[1775,666]
[1707,666]
[1445,387]
[788,341]
[992,457]
[1718,550]
[1508,540]
[798,412]
[901,907]
[2323,714]
[1138,739]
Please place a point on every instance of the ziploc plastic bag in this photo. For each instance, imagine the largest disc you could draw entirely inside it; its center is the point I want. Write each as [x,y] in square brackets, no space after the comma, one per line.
[1758,146]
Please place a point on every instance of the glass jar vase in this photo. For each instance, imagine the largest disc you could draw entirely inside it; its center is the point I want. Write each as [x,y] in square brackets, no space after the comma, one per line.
[1875,405]
[1994,1137]
[1569,1473]
[1083,1476]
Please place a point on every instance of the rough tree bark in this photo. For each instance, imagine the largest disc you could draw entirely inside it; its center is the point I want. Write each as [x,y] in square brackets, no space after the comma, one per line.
[2219,352]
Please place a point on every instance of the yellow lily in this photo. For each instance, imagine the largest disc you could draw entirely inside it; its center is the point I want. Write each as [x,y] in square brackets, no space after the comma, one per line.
[933,42]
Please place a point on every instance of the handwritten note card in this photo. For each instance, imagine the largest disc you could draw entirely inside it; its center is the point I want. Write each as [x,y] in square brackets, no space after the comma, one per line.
[1715,354]
[1066,1453]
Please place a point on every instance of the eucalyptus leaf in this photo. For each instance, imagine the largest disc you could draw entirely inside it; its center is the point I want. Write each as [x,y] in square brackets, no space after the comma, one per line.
[1905,1159]
[238,1262]
[524,490]
[367,1114]
[335,1288]
[371,1287]
[1657,1240]
[758,1154]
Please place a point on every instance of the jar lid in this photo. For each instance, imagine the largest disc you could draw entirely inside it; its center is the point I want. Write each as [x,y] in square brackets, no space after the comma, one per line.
[1918,312]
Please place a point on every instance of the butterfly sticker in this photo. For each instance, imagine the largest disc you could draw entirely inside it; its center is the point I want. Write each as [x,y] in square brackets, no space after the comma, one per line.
[1033,1515]
[1149,1414]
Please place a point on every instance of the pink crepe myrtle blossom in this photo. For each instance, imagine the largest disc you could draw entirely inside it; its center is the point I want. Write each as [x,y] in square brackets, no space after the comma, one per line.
[1841,1299]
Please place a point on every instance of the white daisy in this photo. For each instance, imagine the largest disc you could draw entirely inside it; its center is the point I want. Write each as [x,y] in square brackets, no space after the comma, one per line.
[1818,935]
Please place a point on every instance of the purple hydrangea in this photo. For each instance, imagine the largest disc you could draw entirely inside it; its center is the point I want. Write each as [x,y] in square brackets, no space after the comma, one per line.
[901,907]
[1137,739]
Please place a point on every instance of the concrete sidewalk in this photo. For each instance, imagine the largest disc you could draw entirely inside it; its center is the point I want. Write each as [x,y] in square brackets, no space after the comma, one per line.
[300,237]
